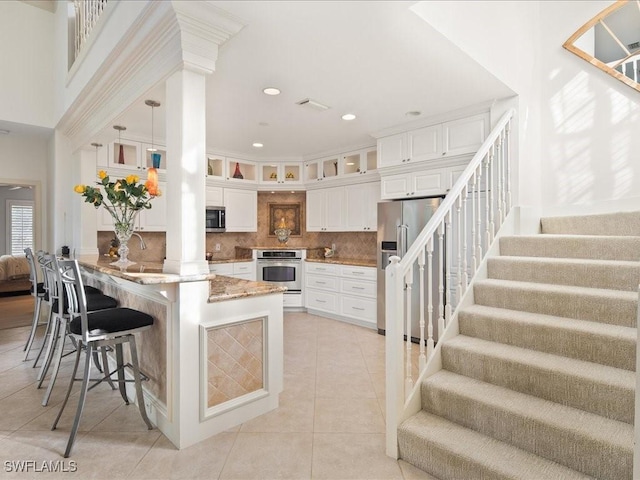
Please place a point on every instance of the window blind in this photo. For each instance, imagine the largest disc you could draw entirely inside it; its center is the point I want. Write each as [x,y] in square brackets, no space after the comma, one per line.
[21,226]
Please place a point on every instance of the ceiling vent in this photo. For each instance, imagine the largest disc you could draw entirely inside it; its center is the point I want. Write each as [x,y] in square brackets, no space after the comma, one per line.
[634,45]
[307,102]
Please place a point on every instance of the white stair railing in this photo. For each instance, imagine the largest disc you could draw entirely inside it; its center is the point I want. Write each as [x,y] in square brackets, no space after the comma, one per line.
[463,228]
[87,14]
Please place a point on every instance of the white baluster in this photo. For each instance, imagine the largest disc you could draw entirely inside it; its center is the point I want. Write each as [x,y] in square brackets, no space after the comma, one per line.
[429,302]
[479,216]
[474,240]
[459,238]
[408,382]
[422,358]
[463,234]
[508,154]
[441,267]
[503,170]
[487,235]
[499,181]
[447,291]
[491,179]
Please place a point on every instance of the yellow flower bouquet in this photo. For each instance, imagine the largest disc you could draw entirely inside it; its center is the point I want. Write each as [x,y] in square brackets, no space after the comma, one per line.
[123,199]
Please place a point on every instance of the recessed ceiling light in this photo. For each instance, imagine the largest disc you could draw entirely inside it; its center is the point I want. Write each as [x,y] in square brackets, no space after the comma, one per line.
[413,113]
[348,116]
[271,91]
[258,145]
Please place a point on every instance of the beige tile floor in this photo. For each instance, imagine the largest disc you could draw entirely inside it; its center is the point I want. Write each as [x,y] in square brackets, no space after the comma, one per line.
[330,423]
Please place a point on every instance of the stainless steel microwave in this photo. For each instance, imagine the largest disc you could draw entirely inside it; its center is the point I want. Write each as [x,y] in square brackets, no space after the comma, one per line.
[215,219]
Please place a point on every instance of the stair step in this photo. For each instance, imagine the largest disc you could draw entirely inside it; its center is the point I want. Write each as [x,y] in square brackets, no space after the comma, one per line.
[449,451]
[580,440]
[609,274]
[620,223]
[602,390]
[598,305]
[611,345]
[572,246]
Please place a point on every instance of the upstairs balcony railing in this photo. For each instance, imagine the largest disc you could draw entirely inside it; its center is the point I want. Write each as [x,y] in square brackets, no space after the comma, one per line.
[87,13]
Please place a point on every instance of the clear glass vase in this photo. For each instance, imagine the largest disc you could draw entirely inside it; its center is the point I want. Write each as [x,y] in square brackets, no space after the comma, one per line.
[123,234]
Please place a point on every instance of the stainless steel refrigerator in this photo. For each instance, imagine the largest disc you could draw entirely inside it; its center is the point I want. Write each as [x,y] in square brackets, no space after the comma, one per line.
[399,224]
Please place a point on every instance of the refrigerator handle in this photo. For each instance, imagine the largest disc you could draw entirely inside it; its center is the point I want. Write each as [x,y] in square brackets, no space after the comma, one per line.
[401,238]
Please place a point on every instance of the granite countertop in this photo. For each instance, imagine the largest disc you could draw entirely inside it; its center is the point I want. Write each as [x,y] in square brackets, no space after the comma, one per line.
[358,262]
[144,273]
[227,288]
[230,260]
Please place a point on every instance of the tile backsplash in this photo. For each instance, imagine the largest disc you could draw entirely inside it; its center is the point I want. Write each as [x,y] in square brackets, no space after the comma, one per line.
[355,245]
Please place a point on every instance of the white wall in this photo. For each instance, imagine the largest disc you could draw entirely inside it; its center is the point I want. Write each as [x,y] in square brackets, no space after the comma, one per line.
[26,59]
[24,160]
[502,37]
[591,124]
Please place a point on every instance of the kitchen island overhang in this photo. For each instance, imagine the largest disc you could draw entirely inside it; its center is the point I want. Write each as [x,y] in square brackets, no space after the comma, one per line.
[214,356]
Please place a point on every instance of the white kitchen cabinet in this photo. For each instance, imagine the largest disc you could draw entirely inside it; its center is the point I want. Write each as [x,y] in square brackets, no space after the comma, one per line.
[136,155]
[214,196]
[154,219]
[392,150]
[149,220]
[457,137]
[245,270]
[414,146]
[325,210]
[361,207]
[241,210]
[242,270]
[415,184]
[131,155]
[147,150]
[216,166]
[464,136]
[359,162]
[241,170]
[282,174]
[343,292]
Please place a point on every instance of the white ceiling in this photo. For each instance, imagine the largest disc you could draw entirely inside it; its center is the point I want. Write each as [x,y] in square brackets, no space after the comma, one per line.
[375,59]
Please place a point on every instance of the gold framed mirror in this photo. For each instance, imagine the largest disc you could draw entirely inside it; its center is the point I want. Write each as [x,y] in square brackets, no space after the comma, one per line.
[611,41]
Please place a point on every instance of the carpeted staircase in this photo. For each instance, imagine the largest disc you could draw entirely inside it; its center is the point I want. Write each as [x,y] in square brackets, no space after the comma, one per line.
[540,383]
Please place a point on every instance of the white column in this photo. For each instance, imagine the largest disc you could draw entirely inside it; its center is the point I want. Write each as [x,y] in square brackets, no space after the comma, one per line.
[186,137]
[85,240]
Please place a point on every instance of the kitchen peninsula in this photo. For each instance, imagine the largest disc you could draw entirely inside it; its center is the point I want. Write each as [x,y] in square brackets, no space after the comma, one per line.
[214,356]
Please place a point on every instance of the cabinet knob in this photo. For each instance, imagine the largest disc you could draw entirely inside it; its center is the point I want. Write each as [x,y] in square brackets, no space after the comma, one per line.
[408,159]
[444,153]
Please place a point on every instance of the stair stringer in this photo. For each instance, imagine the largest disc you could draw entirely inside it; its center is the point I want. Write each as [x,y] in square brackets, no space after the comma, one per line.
[514,224]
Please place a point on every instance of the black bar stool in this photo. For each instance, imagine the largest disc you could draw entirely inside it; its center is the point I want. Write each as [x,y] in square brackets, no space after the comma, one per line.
[38,293]
[59,316]
[95,330]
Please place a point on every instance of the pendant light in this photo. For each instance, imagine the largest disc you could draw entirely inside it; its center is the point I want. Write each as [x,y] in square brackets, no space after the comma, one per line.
[155,156]
[152,173]
[97,145]
[120,129]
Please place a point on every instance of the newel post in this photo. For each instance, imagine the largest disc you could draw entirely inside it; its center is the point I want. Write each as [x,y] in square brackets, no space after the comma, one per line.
[394,358]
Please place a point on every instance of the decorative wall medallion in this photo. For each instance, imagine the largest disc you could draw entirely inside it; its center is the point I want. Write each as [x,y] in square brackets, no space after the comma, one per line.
[290,212]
